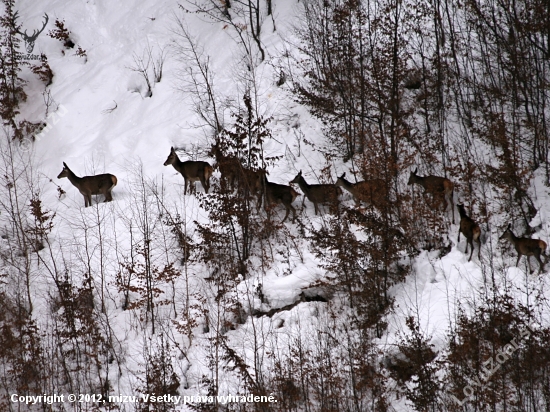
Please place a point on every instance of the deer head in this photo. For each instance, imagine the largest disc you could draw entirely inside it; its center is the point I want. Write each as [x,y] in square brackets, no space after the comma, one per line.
[29,40]
[65,172]
[171,157]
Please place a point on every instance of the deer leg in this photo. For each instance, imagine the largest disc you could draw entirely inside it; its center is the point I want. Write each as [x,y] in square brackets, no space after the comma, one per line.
[446,205]
[258,201]
[537,255]
[293,213]
[334,207]
[452,205]
[184,185]
[479,249]
[286,214]
[529,262]
[519,257]
[453,211]
[442,201]
[467,242]
[108,196]
[87,199]
[458,240]
[472,252]
[260,196]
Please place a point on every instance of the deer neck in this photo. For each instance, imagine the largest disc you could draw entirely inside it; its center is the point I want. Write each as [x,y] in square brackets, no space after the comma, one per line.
[218,155]
[421,180]
[221,157]
[74,179]
[177,163]
[346,184]
[303,184]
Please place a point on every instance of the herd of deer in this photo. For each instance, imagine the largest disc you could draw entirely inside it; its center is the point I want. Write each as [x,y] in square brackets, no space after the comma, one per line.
[372,192]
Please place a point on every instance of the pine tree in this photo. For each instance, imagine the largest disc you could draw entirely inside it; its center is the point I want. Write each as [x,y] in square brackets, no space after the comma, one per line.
[12,93]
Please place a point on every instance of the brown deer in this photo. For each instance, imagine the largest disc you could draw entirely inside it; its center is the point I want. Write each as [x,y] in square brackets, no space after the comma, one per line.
[254,179]
[233,172]
[279,194]
[228,165]
[438,187]
[90,185]
[191,171]
[372,191]
[326,193]
[470,230]
[527,247]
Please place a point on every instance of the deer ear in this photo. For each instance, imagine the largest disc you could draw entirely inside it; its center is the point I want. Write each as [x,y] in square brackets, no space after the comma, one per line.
[509,226]
[343,175]
[65,165]
[415,169]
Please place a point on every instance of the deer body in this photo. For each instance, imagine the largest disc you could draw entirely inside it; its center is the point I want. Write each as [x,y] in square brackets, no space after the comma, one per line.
[90,185]
[325,193]
[227,164]
[526,246]
[470,230]
[280,194]
[253,179]
[233,172]
[438,187]
[191,170]
[372,191]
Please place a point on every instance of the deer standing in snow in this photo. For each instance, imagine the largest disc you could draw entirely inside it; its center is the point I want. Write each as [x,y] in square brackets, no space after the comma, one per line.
[227,164]
[372,191]
[90,185]
[233,172]
[470,230]
[279,194]
[438,187]
[191,171]
[326,193]
[527,247]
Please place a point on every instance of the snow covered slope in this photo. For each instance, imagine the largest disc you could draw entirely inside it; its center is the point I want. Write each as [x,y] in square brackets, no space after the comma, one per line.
[105,124]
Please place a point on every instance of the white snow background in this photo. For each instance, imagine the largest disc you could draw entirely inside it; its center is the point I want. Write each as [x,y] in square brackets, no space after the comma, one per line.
[138,134]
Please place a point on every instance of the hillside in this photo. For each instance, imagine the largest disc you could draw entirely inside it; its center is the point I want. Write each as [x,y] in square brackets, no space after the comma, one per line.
[371,304]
